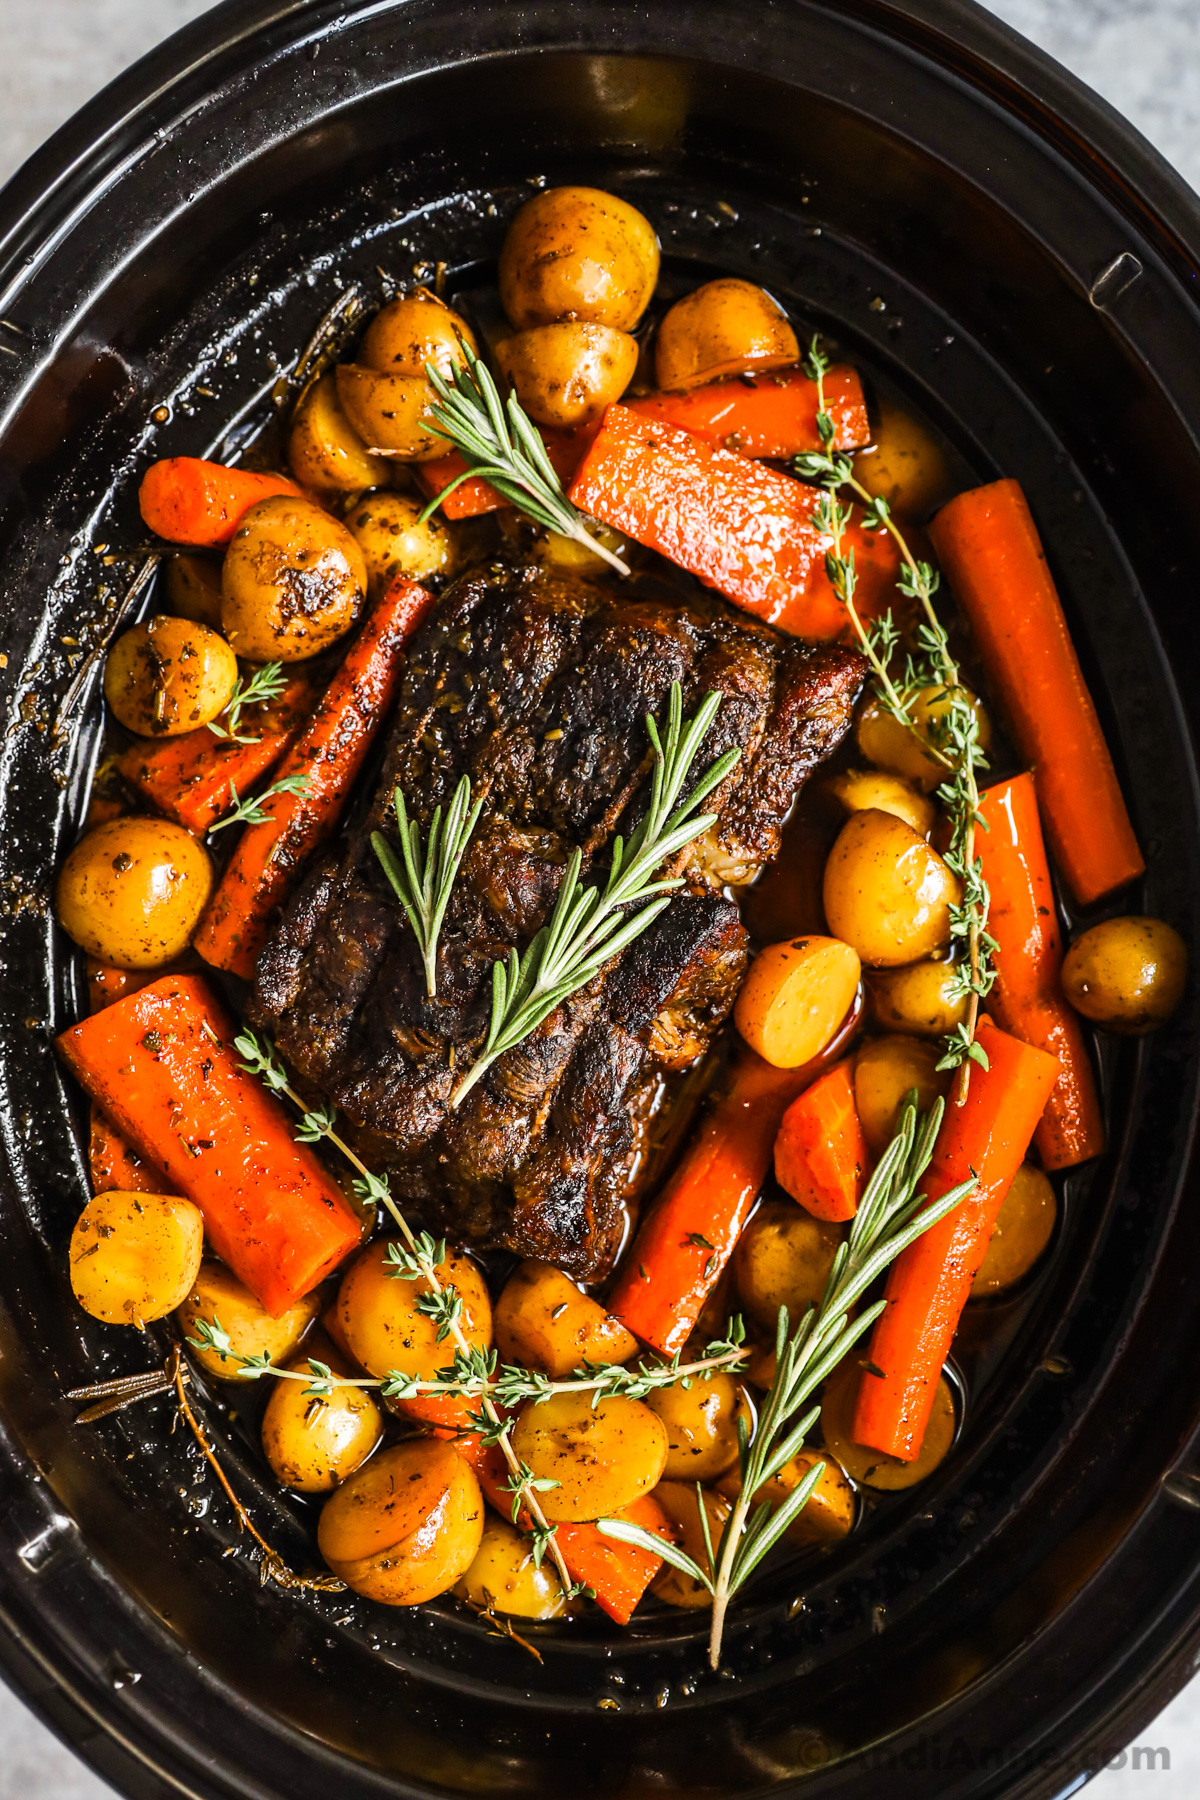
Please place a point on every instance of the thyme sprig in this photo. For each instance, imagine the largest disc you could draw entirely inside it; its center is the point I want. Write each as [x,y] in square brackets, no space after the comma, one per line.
[422,882]
[949,732]
[250,810]
[590,925]
[266,683]
[892,1215]
[498,441]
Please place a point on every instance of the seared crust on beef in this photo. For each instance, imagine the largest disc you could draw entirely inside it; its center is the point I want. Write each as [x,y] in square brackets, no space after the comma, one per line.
[538,688]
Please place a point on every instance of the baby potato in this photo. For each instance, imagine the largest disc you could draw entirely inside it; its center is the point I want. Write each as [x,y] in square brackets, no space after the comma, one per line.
[133,1257]
[567,373]
[921,999]
[406,1525]
[876,1468]
[193,589]
[394,540]
[377,1312]
[681,1504]
[293,581]
[1023,1229]
[132,891]
[885,741]
[390,412]
[602,1457]
[1127,975]
[503,1578]
[416,329]
[885,1070]
[219,1296]
[783,1258]
[578,253]
[794,998]
[829,1511]
[905,465]
[701,1422]
[324,450]
[544,1322]
[726,327]
[169,676]
[867,790]
[887,893]
[313,1442]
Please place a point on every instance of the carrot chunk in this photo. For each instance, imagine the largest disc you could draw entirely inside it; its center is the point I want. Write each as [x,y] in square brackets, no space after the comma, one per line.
[773,415]
[113,1163]
[189,501]
[475,495]
[989,549]
[821,1155]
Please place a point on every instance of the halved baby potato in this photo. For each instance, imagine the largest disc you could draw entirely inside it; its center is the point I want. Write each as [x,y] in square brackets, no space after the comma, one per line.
[405,1526]
[134,1257]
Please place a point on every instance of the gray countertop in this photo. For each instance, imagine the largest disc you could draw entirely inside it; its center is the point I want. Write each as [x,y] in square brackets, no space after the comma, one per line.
[1142,55]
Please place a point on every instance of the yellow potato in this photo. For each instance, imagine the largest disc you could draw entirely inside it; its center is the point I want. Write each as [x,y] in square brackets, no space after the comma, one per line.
[544,1322]
[905,465]
[395,541]
[132,891]
[134,1256]
[219,1297]
[1127,975]
[885,1070]
[867,790]
[561,553]
[680,1503]
[794,998]
[567,373]
[887,893]
[169,676]
[783,1258]
[313,1442]
[701,1422]
[829,1511]
[578,253]
[293,582]
[726,327]
[503,1579]
[876,1468]
[921,999]
[414,330]
[324,450]
[379,1320]
[193,589]
[405,1526]
[601,1457]
[1023,1229]
[884,740]
[391,412]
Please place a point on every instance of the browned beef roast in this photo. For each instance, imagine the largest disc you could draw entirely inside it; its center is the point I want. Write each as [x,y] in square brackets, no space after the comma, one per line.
[538,688]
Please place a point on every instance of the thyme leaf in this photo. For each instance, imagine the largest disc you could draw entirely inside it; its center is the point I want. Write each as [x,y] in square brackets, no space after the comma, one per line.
[266,683]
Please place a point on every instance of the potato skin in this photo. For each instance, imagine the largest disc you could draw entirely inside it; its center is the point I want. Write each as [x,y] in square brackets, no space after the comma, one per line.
[502,1577]
[169,676]
[390,412]
[324,450]
[885,1070]
[795,996]
[387,529]
[132,891]
[726,327]
[416,329]
[578,253]
[217,1293]
[827,1514]
[681,1504]
[919,999]
[406,1525]
[864,790]
[134,1257]
[567,373]
[293,582]
[886,892]
[544,1322]
[378,1316]
[1023,1229]
[783,1258]
[701,1422]
[1126,974]
[603,1457]
[884,741]
[313,1444]
[904,465]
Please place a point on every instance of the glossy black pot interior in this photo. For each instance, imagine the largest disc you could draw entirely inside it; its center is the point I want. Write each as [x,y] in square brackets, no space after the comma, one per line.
[914,181]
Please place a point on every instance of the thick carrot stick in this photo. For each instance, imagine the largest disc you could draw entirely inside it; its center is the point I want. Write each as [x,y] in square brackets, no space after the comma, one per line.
[683,1246]
[742,528]
[771,415]
[987,1136]
[821,1155]
[188,501]
[191,778]
[989,549]
[330,751]
[114,1163]
[162,1066]
[1027,999]
[474,496]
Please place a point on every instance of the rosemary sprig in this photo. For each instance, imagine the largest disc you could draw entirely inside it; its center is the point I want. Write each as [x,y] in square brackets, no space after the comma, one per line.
[499,441]
[891,1216]
[590,925]
[250,810]
[950,737]
[267,683]
[423,881]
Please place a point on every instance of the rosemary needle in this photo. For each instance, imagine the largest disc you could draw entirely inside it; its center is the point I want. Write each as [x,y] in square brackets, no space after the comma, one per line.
[422,882]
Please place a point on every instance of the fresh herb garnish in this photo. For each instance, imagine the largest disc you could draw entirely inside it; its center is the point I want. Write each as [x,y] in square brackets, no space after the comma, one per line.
[267,683]
[423,881]
[250,811]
